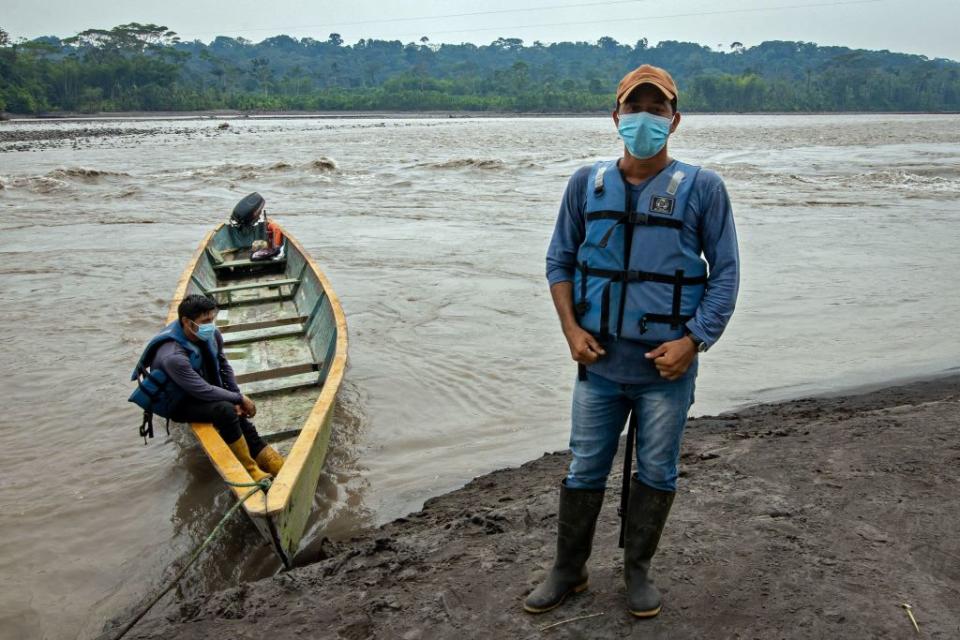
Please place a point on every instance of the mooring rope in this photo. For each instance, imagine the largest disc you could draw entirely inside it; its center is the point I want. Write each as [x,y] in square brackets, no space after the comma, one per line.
[262,485]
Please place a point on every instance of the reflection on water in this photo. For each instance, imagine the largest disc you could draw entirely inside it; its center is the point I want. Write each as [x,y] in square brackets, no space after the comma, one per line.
[433,234]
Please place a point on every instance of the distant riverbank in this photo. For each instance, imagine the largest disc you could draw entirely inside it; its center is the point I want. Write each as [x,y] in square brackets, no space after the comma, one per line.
[233,114]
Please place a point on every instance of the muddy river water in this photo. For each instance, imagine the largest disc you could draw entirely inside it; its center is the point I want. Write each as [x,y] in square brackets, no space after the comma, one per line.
[433,233]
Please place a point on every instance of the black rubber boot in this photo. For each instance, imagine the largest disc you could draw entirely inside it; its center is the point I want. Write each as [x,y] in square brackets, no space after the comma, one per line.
[576,522]
[647,512]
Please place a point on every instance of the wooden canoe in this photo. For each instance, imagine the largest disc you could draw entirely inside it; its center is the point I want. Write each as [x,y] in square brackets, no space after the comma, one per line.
[286,337]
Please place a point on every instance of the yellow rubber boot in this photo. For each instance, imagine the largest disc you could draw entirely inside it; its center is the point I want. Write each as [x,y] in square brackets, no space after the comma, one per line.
[242,451]
[270,460]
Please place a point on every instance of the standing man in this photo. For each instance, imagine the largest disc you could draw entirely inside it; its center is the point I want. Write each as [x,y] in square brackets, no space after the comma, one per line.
[184,375]
[628,272]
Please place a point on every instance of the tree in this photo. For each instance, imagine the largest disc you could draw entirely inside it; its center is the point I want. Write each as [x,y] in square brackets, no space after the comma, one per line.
[132,37]
[607,43]
[4,38]
[260,69]
[295,76]
[507,44]
[218,68]
[520,77]
[146,67]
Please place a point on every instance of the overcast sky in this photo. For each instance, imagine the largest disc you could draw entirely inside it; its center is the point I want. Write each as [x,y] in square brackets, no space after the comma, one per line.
[927,27]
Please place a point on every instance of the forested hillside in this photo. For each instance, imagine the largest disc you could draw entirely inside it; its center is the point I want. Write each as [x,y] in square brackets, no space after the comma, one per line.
[146,67]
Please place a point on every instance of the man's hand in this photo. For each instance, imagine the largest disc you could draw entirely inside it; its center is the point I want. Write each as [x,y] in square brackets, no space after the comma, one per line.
[584,348]
[246,408]
[673,358]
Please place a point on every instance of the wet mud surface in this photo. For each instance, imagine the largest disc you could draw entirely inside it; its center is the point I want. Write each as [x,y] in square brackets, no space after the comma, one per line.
[816,518]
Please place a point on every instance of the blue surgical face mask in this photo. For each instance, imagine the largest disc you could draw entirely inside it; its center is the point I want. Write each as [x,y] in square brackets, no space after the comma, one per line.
[644,134]
[205,331]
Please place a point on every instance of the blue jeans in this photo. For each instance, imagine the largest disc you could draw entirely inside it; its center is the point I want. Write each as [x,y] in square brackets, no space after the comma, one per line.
[600,410]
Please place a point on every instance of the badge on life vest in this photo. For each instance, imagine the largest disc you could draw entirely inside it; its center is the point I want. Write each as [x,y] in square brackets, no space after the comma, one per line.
[662,204]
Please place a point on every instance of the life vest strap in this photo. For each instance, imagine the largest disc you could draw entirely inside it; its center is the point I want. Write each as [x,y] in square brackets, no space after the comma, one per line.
[675,321]
[633,218]
[677,298]
[598,179]
[146,427]
[605,312]
[641,276]
[583,306]
[636,218]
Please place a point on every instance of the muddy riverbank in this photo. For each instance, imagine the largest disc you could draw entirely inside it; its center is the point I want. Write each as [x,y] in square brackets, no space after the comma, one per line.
[814,518]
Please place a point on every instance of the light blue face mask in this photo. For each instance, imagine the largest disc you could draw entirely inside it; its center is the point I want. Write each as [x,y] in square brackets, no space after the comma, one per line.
[205,331]
[644,134]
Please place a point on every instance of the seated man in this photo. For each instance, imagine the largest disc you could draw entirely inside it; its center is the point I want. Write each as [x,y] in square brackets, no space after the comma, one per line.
[190,380]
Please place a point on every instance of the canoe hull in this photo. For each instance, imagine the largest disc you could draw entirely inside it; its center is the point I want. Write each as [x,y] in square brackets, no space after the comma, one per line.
[281,515]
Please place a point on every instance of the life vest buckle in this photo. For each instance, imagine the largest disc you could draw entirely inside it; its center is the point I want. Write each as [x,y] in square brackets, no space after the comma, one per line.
[598,180]
[146,427]
[582,307]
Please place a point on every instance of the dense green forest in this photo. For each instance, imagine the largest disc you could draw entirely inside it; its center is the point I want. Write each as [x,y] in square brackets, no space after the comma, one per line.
[137,67]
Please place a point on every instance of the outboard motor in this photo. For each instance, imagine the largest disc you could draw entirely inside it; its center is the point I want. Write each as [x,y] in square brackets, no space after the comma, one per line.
[249,228]
[248,222]
[247,212]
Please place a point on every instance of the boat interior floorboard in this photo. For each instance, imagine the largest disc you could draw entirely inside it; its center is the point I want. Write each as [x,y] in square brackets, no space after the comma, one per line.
[274,333]
[254,326]
[265,337]
[286,371]
[280,418]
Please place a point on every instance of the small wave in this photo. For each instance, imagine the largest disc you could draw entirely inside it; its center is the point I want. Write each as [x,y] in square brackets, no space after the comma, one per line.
[19,270]
[252,171]
[83,172]
[930,180]
[125,193]
[918,182]
[225,170]
[487,164]
[736,171]
[126,222]
[39,184]
[935,171]
[827,203]
[323,164]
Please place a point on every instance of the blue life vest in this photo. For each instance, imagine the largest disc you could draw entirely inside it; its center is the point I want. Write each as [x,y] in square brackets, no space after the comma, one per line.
[636,278]
[156,393]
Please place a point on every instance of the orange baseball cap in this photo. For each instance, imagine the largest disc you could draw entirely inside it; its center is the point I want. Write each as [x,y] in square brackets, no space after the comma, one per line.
[647,74]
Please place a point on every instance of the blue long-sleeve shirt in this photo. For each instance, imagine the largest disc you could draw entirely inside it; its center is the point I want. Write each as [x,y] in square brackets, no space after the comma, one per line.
[175,361]
[716,239]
